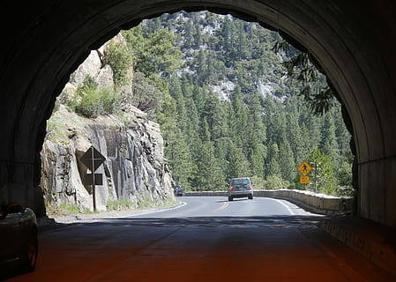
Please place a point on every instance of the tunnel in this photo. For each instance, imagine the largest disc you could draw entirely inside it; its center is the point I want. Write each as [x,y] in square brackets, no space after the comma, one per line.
[44,41]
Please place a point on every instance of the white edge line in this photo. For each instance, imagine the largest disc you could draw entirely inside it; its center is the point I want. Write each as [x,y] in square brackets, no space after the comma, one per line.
[99,219]
[156,211]
[286,206]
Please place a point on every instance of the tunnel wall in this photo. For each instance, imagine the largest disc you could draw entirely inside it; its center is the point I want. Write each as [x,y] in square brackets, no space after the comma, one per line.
[44,41]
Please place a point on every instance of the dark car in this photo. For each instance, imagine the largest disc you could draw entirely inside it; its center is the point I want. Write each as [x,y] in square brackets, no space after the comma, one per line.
[18,236]
[178,191]
[239,188]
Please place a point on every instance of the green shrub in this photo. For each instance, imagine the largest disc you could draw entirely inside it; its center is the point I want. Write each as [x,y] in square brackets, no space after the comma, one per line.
[144,203]
[291,186]
[147,202]
[121,204]
[67,208]
[258,182]
[344,172]
[146,96]
[276,182]
[91,101]
[345,191]
[119,58]
[326,181]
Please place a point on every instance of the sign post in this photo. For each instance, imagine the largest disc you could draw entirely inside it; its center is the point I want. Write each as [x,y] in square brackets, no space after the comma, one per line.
[92,159]
[316,179]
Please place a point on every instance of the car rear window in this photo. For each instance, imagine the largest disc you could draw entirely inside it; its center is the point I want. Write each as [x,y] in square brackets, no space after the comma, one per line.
[240,181]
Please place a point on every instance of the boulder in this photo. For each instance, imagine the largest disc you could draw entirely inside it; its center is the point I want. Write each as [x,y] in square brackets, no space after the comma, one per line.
[104,78]
[90,67]
[67,93]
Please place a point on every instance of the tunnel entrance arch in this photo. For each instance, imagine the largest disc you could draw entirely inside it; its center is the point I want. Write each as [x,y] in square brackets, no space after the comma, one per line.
[54,39]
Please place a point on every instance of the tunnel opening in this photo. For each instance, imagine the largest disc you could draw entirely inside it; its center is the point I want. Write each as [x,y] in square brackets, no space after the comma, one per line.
[221,89]
[338,43]
[350,43]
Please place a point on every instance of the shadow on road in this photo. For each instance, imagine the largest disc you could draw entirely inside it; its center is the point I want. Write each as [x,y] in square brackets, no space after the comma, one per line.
[13,269]
[209,221]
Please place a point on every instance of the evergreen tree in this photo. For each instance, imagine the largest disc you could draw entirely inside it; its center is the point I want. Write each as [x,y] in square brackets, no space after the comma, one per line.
[197,37]
[328,143]
[286,161]
[326,181]
[238,165]
[210,175]
[193,128]
[273,168]
[257,136]
[243,46]
[188,35]
[239,121]
[263,129]
[294,133]
[214,114]
[176,148]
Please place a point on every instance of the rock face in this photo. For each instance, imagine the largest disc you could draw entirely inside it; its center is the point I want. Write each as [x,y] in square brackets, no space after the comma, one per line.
[91,67]
[134,170]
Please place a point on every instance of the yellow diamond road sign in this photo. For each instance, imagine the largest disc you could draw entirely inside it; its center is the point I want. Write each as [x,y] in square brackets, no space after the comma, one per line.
[304,180]
[304,168]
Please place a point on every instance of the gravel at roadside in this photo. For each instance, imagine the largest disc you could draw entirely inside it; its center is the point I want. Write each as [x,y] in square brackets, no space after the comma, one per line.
[47,222]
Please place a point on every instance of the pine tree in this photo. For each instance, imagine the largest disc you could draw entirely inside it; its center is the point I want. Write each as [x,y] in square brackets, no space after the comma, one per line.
[326,181]
[257,136]
[188,35]
[197,37]
[294,133]
[181,114]
[264,130]
[193,128]
[342,134]
[242,47]
[210,176]
[221,147]
[201,67]
[226,41]
[273,168]
[176,148]
[239,121]
[238,165]
[214,113]
[286,161]
[328,143]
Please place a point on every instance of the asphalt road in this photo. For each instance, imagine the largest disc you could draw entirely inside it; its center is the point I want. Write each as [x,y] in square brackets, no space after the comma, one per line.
[208,239]
[220,206]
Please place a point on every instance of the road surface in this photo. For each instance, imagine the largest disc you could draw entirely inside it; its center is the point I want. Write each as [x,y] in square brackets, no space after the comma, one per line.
[220,206]
[208,239]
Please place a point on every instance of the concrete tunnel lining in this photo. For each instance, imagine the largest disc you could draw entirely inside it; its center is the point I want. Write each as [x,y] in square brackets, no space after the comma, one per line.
[53,40]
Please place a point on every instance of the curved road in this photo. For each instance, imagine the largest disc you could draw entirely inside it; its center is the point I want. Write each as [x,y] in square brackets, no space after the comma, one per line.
[208,239]
[219,206]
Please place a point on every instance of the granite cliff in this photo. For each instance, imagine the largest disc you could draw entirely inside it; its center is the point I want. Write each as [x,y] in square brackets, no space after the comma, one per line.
[135,169]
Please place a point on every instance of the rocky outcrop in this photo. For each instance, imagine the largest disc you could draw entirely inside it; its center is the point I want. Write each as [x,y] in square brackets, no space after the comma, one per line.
[135,168]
